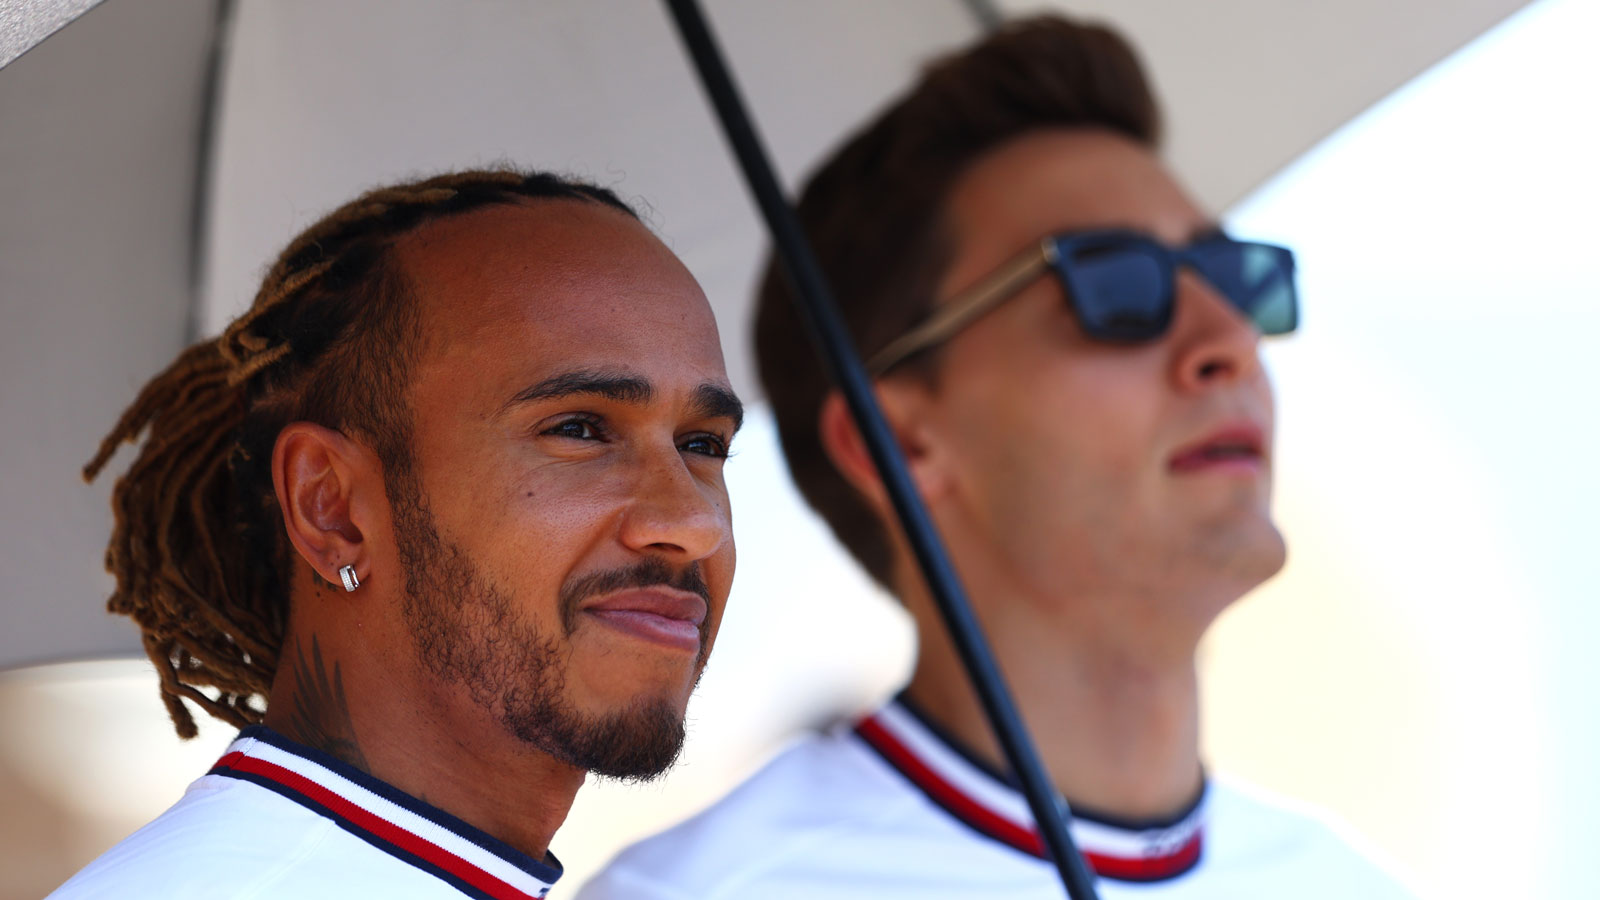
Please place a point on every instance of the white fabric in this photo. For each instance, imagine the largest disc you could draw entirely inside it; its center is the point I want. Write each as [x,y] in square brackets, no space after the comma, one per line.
[234,839]
[831,818]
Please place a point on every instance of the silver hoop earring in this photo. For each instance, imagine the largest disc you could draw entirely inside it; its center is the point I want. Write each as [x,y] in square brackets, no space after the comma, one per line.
[347,574]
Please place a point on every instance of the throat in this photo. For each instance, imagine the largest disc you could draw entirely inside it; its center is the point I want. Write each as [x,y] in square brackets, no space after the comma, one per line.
[1125,745]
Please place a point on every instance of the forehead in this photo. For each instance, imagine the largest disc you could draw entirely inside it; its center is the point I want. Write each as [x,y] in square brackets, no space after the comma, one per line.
[508,291]
[1066,180]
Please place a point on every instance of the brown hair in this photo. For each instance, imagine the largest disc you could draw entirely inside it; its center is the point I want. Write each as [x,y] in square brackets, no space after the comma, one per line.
[198,549]
[874,214]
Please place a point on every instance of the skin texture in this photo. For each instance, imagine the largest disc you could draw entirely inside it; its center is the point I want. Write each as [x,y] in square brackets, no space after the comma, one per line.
[1094,566]
[570,416]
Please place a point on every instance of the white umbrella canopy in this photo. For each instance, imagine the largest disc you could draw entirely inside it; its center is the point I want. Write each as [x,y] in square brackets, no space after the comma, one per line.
[100,137]
[149,181]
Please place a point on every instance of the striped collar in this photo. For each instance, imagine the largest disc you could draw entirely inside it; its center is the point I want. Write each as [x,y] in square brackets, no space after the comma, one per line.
[991,805]
[400,825]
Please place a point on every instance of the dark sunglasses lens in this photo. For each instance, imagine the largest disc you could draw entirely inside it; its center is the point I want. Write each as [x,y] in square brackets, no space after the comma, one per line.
[1258,279]
[1118,290]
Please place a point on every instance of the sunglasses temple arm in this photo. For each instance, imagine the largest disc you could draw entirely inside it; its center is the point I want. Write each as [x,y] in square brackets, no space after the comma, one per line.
[961,310]
[833,340]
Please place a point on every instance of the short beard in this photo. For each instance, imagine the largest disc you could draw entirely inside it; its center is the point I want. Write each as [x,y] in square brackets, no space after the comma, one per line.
[468,632]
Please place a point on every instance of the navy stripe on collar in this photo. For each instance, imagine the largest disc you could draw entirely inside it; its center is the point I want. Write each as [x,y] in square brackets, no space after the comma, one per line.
[432,840]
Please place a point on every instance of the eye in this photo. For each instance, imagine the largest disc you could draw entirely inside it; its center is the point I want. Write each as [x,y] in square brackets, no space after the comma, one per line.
[580,428]
[705,445]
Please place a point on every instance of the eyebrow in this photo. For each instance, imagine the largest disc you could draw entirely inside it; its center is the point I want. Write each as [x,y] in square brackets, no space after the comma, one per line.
[622,388]
[710,400]
[713,401]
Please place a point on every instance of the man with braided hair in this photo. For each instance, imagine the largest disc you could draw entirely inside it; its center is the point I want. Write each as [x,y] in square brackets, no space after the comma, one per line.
[1066,348]
[441,523]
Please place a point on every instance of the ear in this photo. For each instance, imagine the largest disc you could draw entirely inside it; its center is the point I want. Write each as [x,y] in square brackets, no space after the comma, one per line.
[903,405]
[317,475]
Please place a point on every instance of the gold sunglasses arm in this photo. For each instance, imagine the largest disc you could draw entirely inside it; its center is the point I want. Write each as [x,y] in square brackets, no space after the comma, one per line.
[964,308]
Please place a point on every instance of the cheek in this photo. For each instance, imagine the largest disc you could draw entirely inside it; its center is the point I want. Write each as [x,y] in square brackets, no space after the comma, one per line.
[1096,411]
[527,528]
[719,569]
[548,519]
[1074,453]
[1085,402]
[1266,398]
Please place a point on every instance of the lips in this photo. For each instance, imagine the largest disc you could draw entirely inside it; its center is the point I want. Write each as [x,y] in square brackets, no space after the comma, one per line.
[659,615]
[1238,447]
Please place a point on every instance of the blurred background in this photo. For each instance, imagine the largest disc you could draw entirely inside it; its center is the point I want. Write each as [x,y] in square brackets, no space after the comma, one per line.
[1421,669]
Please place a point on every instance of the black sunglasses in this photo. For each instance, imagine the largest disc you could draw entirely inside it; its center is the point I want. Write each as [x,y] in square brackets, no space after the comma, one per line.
[1121,287]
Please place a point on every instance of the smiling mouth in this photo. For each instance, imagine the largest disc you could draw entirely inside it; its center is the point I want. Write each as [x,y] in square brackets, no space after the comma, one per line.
[661,616]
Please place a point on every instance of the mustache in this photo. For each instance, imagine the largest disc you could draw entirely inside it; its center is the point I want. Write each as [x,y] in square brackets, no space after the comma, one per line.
[651,572]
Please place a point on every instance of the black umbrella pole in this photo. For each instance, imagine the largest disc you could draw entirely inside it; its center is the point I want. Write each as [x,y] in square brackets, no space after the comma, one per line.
[833,342]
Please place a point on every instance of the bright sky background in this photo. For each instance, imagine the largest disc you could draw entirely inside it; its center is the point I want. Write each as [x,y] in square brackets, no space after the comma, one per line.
[1440,426]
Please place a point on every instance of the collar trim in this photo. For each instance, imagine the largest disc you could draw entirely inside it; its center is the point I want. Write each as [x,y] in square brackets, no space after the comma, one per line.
[990,805]
[406,828]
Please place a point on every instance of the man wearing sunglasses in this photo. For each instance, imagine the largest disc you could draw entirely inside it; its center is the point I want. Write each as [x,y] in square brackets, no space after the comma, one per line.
[1066,348]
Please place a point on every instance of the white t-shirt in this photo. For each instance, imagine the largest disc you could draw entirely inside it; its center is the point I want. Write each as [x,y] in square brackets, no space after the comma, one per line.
[888,808]
[275,819]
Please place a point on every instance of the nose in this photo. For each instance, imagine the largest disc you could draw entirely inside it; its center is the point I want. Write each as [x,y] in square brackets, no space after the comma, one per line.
[1213,343]
[673,513]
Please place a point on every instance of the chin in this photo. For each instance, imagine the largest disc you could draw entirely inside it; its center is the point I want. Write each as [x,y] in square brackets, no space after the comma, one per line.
[1251,562]
[1270,553]
[1227,564]
[636,741]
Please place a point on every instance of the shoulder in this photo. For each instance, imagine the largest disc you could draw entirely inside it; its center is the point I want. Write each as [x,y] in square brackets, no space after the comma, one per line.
[801,813]
[224,839]
[1257,841]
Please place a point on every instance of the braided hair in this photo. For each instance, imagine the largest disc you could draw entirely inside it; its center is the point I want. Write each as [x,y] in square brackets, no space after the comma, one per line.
[198,548]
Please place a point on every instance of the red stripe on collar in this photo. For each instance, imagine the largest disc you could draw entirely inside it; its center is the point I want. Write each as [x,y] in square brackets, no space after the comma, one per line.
[955,784]
[375,825]
[408,829]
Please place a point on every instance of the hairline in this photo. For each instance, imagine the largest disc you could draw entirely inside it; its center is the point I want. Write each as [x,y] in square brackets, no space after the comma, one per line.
[399,261]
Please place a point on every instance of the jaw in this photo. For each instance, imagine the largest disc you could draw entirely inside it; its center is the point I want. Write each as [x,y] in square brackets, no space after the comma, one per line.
[1148,601]
[632,738]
